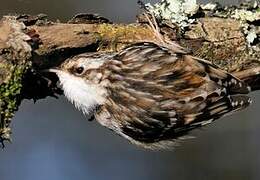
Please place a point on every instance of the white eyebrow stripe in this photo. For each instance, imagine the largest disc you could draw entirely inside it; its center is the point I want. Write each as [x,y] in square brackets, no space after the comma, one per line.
[91,63]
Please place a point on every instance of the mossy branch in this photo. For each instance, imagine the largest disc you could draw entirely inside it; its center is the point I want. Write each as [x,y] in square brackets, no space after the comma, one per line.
[229,37]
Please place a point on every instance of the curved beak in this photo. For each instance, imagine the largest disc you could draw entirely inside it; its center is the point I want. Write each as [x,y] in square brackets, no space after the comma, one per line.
[52,70]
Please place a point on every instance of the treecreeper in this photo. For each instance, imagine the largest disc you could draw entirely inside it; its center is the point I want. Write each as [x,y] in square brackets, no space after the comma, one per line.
[150,94]
[179,67]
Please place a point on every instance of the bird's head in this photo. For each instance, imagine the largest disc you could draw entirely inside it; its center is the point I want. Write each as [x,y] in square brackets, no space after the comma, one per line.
[85,66]
[81,79]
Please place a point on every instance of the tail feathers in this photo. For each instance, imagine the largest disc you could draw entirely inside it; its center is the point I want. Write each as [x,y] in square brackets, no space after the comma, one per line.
[236,86]
[222,107]
[232,82]
[239,102]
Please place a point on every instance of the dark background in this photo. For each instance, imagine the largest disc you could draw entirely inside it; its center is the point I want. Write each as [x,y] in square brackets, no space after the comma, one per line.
[53,141]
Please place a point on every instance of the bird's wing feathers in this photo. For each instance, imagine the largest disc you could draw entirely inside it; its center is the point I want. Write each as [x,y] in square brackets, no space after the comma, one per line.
[157,94]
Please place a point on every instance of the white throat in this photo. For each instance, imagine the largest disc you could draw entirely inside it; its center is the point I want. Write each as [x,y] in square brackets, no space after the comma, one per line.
[85,96]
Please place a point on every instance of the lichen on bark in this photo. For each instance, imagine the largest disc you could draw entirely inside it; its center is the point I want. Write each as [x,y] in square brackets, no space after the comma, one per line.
[227,36]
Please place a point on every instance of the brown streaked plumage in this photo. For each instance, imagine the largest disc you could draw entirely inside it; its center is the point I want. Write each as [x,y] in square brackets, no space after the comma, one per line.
[149,94]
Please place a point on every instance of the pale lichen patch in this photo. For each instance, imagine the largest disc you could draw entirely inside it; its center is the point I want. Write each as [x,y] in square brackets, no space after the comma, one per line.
[249,17]
[246,15]
[177,11]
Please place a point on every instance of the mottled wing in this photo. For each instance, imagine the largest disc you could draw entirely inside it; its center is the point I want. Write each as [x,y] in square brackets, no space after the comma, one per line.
[158,95]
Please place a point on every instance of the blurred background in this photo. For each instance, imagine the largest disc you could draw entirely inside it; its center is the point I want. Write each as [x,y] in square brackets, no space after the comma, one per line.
[53,141]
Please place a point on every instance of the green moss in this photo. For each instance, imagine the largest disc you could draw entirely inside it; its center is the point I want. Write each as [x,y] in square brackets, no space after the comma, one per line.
[10,98]
[112,36]
[110,31]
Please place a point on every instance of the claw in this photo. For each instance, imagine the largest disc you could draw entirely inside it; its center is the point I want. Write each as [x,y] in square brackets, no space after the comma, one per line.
[92,118]
[2,142]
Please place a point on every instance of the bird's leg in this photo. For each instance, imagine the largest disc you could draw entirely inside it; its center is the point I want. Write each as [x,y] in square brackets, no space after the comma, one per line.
[2,142]
[92,117]
[96,110]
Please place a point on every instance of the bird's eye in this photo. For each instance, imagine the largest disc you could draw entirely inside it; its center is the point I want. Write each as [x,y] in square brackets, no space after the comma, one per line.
[79,70]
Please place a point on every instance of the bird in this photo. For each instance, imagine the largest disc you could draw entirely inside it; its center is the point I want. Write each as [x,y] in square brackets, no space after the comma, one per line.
[149,94]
